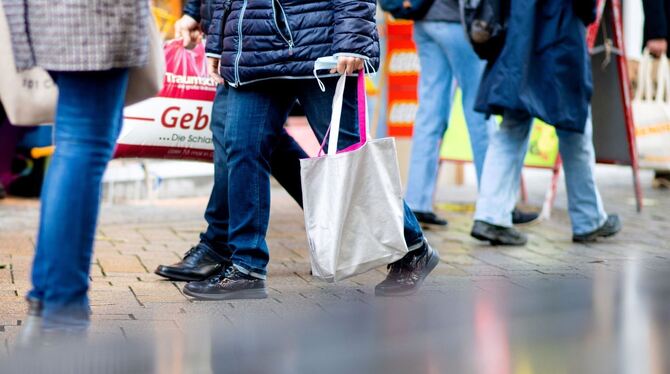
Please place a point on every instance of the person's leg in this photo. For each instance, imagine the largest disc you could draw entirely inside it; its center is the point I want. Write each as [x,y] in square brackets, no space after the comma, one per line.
[584,203]
[212,254]
[468,70]
[502,170]
[254,143]
[216,214]
[256,116]
[500,181]
[284,166]
[435,84]
[88,121]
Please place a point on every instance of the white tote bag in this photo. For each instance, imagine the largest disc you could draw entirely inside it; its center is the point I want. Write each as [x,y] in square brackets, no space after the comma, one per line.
[29,96]
[651,114]
[353,200]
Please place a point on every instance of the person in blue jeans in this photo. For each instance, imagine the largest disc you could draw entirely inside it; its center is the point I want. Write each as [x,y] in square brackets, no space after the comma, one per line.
[267,53]
[88,122]
[90,62]
[211,253]
[543,71]
[445,55]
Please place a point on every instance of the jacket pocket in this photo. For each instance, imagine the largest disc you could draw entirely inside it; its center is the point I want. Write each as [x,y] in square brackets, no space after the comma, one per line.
[281,23]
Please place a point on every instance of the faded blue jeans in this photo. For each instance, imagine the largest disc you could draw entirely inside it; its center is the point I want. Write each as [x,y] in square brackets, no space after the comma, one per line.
[256,117]
[89,114]
[444,55]
[502,173]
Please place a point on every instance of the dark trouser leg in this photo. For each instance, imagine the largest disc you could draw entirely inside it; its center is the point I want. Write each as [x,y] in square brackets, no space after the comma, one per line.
[256,116]
[284,164]
[216,215]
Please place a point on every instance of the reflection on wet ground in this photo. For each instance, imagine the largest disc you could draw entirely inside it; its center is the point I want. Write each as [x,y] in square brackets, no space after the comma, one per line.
[613,322]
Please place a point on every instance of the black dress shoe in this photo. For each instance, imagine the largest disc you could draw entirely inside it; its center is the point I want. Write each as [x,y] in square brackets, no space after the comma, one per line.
[430,218]
[406,276]
[497,235]
[199,263]
[228,285]
[610,228]
[519,217]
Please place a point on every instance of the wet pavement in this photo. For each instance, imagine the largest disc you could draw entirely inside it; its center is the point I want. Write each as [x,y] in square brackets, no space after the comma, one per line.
[550,307]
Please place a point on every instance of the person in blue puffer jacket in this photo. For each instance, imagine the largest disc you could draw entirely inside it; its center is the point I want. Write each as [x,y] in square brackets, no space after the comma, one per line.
[266,50]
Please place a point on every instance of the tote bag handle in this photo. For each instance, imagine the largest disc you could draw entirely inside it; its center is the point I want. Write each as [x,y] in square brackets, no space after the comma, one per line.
[663,81]
[644,89]
[333,133]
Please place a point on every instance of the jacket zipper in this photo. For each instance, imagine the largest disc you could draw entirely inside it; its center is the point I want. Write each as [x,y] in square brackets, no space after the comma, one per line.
[288,41]
[239,44]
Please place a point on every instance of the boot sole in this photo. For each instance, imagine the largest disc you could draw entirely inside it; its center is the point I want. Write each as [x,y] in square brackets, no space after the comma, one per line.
[236,295]
[432,264]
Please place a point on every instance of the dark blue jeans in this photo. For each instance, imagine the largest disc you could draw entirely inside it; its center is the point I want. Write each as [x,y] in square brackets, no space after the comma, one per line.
[256,116]
[88,121]
[284,163]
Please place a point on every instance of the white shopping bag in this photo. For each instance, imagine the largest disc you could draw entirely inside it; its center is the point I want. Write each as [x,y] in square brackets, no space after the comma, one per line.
[651,114]
[28,96]
[353,201]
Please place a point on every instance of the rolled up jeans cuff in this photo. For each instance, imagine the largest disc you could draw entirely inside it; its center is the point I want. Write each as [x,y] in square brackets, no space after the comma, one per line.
[213,252]
[417,245]
[256,273]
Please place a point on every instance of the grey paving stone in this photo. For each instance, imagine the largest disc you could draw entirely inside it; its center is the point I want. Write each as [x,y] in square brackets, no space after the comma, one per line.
[128,299]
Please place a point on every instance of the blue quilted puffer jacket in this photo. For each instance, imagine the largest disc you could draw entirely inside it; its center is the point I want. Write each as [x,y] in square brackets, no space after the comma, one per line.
[270,39]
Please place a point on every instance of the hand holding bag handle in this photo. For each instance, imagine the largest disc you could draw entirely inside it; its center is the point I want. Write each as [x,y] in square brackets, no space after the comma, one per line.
[333,133]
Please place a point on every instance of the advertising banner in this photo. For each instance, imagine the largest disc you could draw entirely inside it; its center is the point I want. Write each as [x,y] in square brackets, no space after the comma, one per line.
[175,124]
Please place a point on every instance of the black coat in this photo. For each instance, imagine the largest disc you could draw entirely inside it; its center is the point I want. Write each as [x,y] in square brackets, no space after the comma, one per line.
[656,19]
[544,68]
